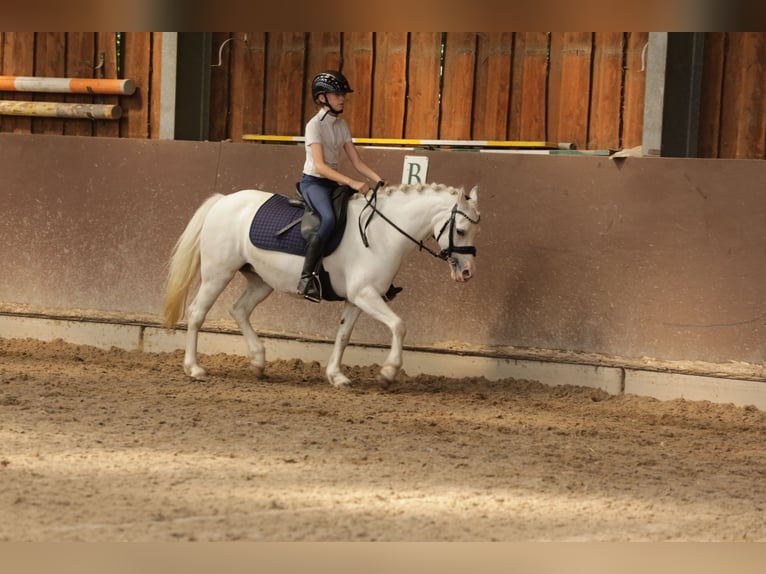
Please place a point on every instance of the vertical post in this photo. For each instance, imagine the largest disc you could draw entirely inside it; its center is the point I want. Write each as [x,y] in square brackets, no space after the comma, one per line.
[192,119]
[656,60]
[168,85]
[683,85]
[672,102]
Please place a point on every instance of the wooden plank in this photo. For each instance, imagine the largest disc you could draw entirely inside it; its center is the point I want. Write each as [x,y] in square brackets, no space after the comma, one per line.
[50,62]
[285,53]
[19,53]
[423,79]
[248,80]
[498,100]
[324,53]
[357,67]
[389,84]
[106,67]
[457,91]
[221,74]
[751,121]
[137,54]
[606,92]
[80,61]
[569,97]
[528,116]
[555,58]
[479,112]
[493,85]
[711,96]
[155,83]
[733,95]
[635,90]
[18,60]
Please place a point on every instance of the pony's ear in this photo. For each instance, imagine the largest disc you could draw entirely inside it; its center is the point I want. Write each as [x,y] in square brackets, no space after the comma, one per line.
[473,195]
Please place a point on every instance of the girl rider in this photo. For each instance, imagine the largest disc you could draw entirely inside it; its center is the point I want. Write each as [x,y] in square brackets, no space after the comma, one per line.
[326,135]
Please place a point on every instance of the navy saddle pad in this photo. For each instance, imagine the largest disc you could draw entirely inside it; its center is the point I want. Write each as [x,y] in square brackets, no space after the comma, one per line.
[272,217]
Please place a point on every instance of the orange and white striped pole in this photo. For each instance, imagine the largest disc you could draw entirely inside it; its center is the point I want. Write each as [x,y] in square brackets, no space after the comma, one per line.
[67,85]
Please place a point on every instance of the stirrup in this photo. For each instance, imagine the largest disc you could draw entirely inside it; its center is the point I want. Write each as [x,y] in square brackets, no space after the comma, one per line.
[310,288]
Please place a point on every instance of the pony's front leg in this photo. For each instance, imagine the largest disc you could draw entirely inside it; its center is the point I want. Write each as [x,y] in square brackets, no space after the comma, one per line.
[348,320]
[371,302]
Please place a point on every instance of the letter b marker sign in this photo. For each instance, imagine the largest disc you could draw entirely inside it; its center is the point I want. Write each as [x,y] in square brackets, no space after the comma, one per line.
[415,169]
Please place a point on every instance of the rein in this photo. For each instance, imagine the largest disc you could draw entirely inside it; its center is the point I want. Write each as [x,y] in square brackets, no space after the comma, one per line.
[444,254]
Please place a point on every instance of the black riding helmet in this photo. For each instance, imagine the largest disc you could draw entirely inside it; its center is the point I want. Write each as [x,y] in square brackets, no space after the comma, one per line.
[328,82]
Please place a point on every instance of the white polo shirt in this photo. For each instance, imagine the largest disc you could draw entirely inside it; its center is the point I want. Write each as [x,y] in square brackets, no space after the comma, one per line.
[332,132]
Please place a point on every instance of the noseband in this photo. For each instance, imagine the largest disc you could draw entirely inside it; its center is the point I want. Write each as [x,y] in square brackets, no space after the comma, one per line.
[444,254]
[452,248]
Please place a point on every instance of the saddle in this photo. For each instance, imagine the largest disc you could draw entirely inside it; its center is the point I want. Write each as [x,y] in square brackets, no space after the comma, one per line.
[282,224]
[310,219]
[275,227]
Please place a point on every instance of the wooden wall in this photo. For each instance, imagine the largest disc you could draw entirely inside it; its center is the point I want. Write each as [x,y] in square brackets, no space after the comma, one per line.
[733,114]
[585,88]
[85,55]
[580,87]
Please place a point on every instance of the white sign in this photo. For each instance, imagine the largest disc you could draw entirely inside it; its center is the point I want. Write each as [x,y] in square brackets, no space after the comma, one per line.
[415,169]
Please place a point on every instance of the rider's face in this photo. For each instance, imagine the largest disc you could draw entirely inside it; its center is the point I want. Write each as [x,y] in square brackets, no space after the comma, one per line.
[336,100]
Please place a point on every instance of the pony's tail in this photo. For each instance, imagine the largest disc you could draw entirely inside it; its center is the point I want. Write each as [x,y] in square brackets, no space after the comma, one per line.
[184,264]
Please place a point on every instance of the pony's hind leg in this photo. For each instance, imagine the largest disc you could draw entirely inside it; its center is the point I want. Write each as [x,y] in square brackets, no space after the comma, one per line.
[255,292]
[209,290]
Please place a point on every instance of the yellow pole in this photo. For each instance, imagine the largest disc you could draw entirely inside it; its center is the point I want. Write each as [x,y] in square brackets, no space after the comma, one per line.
[425,142]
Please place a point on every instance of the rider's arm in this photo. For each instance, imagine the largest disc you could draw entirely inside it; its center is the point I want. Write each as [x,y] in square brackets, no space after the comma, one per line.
[317,155]
[358,164]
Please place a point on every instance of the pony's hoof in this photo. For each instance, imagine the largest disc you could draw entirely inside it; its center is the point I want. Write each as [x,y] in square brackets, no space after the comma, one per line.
[384,383]
[341,382]
[387,376]
[197,373]
[257,370]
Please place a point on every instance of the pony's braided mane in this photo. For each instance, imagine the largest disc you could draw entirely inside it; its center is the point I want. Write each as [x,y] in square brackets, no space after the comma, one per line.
[418,187]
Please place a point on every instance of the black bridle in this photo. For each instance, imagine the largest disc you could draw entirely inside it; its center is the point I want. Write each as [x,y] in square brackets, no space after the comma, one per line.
[445,254]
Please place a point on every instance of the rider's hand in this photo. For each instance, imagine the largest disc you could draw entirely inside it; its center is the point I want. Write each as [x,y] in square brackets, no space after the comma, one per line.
[359,186]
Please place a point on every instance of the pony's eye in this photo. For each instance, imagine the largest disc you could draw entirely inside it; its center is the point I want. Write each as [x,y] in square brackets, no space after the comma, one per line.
[460,232]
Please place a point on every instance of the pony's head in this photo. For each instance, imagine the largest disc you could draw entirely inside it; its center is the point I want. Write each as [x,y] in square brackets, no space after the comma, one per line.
[456,234]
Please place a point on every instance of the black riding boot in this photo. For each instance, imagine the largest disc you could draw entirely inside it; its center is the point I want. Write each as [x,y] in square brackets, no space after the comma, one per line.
[309,284]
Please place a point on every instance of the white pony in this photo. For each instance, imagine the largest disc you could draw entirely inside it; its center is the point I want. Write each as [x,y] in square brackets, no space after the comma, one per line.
[381,229]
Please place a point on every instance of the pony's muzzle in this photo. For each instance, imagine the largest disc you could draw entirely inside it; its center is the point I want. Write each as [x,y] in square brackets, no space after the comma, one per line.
[461,271]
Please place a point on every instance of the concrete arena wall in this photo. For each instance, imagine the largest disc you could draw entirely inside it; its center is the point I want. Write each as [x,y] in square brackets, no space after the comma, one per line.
[643,261]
